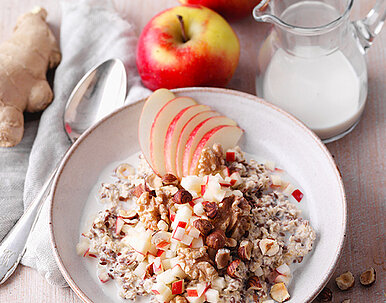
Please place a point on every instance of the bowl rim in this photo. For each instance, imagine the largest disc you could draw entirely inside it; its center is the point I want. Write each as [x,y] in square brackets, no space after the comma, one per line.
[244,95]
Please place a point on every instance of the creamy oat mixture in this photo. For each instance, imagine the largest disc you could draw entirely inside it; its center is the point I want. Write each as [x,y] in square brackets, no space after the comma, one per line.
[226,234]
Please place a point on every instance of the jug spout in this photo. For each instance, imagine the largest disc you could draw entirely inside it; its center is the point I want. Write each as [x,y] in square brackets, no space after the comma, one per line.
[369,27]
[262,13]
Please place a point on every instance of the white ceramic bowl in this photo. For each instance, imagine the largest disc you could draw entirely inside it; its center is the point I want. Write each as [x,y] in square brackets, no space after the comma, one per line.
[270,133]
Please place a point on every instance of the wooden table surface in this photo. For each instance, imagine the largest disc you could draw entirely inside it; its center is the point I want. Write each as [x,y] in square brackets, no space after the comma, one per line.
[360,155]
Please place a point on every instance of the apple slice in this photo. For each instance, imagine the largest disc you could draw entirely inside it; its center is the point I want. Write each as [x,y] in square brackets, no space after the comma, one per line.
[173,133]
[150,109]
[159,128]
[197,134]
[184,135]
[226,135]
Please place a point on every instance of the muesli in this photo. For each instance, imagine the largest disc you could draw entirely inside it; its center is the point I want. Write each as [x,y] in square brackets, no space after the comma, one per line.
[227,234]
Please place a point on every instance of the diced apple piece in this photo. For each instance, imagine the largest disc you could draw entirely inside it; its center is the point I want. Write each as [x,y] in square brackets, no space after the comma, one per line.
[193,232]
[163,245]
[170,254]
[230,156]
[196,299]
[159,128]
[197,135]
[227,135]
[166,264]
[178,272]
[184,135]
[178,233]
[192,184]
[178,287]
[298,195]
[219,283]
[157,265]
[212,296]
[150,109]
[166,277]
[202,288]
[276,180]
[150,258]
[82,247]
[283,279]
[173,133]
[283,269]
[162,291]
[192,292]
[197,243]
[186,239]
[270,165]
[118,225]
[103,276]
[199,209]
[141,242]
[289,189]
[183,214]
[140,270]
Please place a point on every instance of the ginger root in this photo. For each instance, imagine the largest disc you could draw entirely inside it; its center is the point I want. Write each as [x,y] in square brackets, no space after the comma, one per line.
[24,60]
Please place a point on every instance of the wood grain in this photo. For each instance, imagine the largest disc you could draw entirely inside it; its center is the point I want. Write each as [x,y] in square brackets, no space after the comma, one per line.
[360,155]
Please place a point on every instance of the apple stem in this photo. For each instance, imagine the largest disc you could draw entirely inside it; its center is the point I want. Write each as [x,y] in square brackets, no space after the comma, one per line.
[184,38]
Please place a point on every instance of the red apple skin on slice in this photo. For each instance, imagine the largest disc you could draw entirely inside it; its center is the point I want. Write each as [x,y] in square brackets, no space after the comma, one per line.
[226,135]
[184,135]
[173,134]
[158,131]
[150,109]
[197,134]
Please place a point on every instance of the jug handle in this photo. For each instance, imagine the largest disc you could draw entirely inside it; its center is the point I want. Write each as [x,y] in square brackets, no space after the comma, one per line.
[369,27]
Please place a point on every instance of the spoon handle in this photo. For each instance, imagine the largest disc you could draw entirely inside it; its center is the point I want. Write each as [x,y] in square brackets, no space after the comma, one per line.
[13,246]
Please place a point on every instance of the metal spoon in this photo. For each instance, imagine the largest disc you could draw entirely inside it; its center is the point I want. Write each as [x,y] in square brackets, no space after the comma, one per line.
[99,92]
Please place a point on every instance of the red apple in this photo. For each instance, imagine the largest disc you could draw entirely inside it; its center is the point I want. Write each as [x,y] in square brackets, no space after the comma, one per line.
[230,9]
[187,46]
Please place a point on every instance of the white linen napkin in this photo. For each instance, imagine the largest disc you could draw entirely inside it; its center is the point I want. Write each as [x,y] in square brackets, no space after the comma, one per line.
[91,32]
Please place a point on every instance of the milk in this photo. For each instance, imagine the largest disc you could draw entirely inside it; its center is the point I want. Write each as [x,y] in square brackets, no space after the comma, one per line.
[322,91]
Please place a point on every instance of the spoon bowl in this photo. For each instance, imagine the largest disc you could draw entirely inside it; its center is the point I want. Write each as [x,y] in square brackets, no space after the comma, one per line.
[100,91]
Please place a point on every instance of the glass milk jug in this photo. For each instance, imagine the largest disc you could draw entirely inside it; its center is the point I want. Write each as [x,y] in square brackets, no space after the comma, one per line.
[312,63]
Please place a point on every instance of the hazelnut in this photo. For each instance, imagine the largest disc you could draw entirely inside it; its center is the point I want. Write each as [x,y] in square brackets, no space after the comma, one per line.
[211,209]
[345,281]
[216,239]
[236,269]
[138,190]
[204,226]
[368,277]
[230,242]
[253,283]
[182,197]
[153,182]
[325,295]
[222,258]
[245,250]
[169,179]
[269,247]
[279,292]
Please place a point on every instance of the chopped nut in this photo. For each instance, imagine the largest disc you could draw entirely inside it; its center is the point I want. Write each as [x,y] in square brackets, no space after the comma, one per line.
[138,190]
[345,281]
[253,283]
[245,250]
[279,292]
[269,247]
[230,242]
[222,258]
[325,295]
[182,197]
[236,269]
[162,225]
[169,179]
[368,277]
[216,239]
[124,170]
[204,226]
[153,182]
[211,209]
[128,214]
[179,299]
